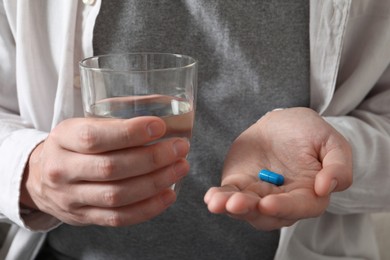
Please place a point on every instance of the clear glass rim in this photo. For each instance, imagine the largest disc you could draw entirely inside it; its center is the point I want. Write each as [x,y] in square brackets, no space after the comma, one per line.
[192,62]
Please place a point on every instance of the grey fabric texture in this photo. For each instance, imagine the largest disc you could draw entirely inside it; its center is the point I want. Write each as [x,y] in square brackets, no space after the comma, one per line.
[253,57]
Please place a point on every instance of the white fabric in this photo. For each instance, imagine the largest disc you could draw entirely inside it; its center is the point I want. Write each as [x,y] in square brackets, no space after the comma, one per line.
[350,87]
[21,244]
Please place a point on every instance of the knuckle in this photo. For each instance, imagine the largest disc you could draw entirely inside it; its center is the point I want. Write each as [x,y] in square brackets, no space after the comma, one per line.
[111,198]
[55,133]
[88,137]
[114,219]
[106,167]
[53,172]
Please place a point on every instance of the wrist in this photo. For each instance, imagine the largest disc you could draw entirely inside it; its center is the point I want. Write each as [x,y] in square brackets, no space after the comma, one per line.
[26,202]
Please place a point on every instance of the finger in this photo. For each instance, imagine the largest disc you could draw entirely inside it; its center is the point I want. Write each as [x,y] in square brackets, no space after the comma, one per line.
[240,181]
[336,174]
[125,192]
[209,194]
[241,203]
[247,200]
[96,135]
[216,198]
[256,218]
[244,185]
[213,190]
[123,216]
[124,163]
[263,222]
[293,206]
[327,180]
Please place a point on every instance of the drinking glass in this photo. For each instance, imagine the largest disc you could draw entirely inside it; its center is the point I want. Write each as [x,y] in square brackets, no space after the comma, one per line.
[142,84]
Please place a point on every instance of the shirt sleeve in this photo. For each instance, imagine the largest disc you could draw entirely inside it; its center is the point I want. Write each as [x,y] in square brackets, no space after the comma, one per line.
[367,128]
[15,150]
[17,137]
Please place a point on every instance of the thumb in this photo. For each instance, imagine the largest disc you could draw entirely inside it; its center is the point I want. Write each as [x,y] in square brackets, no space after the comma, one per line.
[336,174]
[329,179]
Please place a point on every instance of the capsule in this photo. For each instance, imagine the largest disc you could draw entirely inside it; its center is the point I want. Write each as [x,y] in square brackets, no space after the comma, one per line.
[271,177]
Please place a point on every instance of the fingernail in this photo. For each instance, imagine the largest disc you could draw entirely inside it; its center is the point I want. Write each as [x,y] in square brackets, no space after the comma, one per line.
[155,129]
[332,186]
[167,198]
[180,148]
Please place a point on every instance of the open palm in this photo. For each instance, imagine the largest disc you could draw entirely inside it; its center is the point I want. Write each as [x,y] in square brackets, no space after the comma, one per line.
[312,156]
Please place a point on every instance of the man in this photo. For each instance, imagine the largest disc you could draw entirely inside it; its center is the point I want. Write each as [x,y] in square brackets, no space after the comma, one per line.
[254,58]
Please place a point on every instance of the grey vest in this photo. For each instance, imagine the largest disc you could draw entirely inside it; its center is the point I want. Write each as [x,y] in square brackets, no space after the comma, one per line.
[253,57]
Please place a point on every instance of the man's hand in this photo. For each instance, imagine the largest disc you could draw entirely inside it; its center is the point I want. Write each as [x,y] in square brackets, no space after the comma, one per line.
[313,157]
[105,171]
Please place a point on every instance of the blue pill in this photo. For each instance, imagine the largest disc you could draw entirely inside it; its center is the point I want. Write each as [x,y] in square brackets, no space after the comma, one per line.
[271,177]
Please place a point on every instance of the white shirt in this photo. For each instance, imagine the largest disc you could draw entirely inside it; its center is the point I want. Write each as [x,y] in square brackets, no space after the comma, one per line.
[350,87]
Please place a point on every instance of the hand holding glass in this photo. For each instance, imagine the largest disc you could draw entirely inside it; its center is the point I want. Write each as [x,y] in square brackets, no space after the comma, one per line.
[142,84]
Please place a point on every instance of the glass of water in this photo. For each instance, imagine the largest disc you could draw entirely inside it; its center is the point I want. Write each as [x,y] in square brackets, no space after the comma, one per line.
[142,84]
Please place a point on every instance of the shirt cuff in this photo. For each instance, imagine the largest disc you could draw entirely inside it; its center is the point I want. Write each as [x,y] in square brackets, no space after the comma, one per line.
[15,151]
